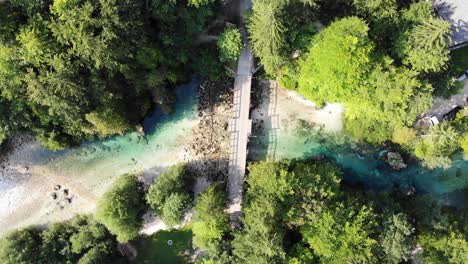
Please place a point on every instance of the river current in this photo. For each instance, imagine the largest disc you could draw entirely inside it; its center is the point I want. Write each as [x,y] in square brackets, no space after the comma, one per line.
[362,163]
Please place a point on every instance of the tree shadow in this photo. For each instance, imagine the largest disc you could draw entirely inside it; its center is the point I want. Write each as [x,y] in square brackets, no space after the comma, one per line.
[458,21]
[265,122]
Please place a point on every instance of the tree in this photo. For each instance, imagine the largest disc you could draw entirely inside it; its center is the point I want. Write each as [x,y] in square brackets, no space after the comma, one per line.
[464,143]
[198,3]
[429,46]
[21,246]
[97,254]
[450,246]
[230,44]
[108,122]
[174,208]
[266,28]
[435,147]
[339,59]
[73,70]
[314,186]
[210,221]
[396,239]
[81,240]
[121,208]
[381,13]
[175,180]
[391,98]
[404,136]
[261,239]
[422,39]
[343,234]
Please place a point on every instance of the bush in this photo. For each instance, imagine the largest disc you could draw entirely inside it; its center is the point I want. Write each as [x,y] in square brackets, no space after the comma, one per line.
[230,44]
[174,208]
[404,136]
[175,179]
[22,246]
[210,221]
[82,240]
[121,208]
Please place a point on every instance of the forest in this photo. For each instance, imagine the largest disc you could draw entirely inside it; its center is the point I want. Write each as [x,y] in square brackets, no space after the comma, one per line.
[384,60]
[296,211]
[77,70]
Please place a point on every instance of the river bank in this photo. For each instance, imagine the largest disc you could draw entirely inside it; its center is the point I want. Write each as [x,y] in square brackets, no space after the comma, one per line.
[292,128]
[38,186]
[285,126]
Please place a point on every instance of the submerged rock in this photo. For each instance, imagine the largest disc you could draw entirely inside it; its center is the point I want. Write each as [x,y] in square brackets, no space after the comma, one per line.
[395,161]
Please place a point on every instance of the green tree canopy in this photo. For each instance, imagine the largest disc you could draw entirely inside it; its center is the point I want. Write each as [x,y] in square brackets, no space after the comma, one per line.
[339,59]
[210,221]
[396,239]
[175,180]
[343,234]
[121,208]
[81,240]
[313,186]
[230,44]
[429,46]
[450,246]
[435,147]
[22,246]
[73,70]
[174,208]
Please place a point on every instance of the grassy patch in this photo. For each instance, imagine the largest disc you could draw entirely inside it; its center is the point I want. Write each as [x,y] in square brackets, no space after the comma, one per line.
[459,60]
[154,249]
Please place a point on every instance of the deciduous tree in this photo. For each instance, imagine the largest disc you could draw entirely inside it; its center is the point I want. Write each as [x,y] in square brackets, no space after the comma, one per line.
[121,208]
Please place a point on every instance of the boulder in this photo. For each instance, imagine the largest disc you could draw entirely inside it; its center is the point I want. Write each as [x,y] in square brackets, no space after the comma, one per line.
[395,161]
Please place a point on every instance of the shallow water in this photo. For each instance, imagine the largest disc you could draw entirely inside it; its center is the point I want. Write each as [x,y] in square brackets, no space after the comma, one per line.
[94,163]
[99,160]
[363,163]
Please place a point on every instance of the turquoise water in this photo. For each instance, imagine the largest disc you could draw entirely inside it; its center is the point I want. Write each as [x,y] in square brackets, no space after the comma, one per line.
[363,164]
[94,163]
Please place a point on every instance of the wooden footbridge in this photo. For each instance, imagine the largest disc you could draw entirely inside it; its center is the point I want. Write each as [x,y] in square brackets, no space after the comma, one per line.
[240,126]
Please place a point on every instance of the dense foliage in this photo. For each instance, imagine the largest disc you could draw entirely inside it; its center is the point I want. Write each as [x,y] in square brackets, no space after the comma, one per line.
[230,44]
[121,208]
[293,212]
[170,195]
[272,202]
[343,234]
[436,145]
[347,226]
[81,240]
[385,64]
[277,28]
[71,70]
[210,222]
[379,97]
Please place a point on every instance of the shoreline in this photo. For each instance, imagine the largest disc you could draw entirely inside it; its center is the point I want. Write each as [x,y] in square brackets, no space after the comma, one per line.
[32,173]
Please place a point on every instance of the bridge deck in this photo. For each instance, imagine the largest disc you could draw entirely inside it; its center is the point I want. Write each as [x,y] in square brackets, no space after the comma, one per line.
[240,129]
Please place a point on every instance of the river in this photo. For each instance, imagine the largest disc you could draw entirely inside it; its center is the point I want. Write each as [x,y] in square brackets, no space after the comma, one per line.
[87,171]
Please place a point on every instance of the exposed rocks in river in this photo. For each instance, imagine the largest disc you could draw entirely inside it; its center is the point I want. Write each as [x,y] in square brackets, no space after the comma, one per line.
[395,161]
[210,148]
